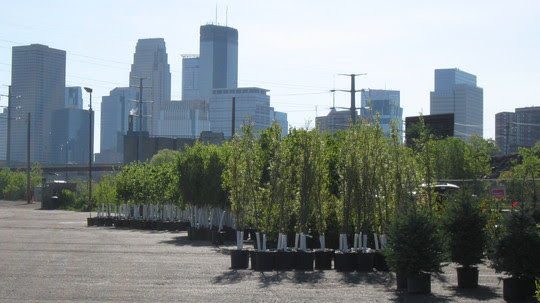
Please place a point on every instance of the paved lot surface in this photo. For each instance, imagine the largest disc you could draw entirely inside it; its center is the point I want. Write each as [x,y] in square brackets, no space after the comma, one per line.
[52,256]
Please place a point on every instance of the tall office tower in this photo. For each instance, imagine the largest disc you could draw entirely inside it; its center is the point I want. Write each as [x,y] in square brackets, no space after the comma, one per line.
[150,63]
[519,129]
[386,105]
[3,134]
[74,97]
[115,110]
[38,76]
[252,105]
[456,92]
[70,129]
[218,63]
[190,78]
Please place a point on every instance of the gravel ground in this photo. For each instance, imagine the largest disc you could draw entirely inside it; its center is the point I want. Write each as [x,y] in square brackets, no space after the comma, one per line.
[52,256]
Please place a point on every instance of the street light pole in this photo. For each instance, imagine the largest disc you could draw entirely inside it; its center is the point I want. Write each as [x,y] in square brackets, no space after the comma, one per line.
[90,150]
[28,199]
[8,143]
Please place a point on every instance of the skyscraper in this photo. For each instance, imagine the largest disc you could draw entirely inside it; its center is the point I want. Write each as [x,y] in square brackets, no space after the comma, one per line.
[74,97]
[115,110]
[38,76]
[456,92]
[385,104]
[190,78]
[151,64]
[218,63]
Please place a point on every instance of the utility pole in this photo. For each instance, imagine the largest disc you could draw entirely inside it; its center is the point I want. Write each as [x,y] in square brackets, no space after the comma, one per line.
[140,115]
[28,198]
[233,116]
[353,91]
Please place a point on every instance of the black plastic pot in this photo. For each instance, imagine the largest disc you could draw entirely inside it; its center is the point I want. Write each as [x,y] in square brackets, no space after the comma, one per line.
[147,225]
[90,221]
[518,288]
[264,260]
[100,221]
[323,259]
[467,277]
[253,259]
[118,223]
[304,260]
[218,237]
[160,225]
[419,283]
[364,261]
[401,280]
[344,261]
[379,262]
[239,259]
[284,260]
[108,221]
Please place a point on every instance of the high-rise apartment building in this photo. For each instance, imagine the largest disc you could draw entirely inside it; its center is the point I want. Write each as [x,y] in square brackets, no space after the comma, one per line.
[335,120]
[190,78]
[456,92]
[151,64]
[115,110]
[386,105]
[519,129]
[74,97]
[218,62]
[38,76]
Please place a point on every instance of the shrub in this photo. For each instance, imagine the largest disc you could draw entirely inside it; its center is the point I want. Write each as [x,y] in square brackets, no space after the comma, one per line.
[464,224]
[414,243]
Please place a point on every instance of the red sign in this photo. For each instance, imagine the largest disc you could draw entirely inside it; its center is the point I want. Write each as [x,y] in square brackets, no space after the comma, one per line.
[498,192]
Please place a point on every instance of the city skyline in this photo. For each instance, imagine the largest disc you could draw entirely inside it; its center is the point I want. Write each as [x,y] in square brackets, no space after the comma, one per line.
[296,53]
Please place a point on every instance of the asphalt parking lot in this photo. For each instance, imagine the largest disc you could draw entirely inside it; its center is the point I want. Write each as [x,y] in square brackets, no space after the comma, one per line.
[48,256]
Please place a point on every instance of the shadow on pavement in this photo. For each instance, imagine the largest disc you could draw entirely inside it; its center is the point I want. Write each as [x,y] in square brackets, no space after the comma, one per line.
[185,241]
[380,278]
[482,293]
[403,296]
[233,276]
[269,278]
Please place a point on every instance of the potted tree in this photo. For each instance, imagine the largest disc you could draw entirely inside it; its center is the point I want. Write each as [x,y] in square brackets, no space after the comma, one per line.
[241,178]
[414,248]
[344,259]
[464,224]
[516,252]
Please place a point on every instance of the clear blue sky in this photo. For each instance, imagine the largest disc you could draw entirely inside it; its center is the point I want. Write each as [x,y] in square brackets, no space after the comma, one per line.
[295,48]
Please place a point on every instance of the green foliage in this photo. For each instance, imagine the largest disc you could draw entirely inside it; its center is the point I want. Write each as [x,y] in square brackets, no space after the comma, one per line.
[464,225]
[104,192]
[516,250]
[164,156]
[15,188]
[4,180]
[199,173]
[242,177]
[414,243]
[71,201]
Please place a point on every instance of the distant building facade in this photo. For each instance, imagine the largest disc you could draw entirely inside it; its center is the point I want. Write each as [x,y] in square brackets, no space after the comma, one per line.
[218,62]
[441,126]
[182,119]
[456,92]
[69,143]
[252,106]
[190,78]
[115,110]
[386,105]
[335,120]
[74,97]
[518,129]
[281,119]
[38,76]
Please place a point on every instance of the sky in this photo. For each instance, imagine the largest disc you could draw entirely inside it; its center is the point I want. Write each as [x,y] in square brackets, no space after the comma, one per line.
[296,49]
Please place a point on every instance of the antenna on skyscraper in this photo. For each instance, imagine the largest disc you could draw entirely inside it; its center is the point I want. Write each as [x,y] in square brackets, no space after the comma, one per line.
[226,16]
[217,23]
